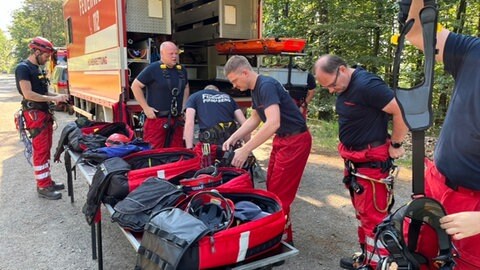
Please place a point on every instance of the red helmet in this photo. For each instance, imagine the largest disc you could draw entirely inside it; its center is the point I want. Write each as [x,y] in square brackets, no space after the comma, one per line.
[116,139]
[41,44]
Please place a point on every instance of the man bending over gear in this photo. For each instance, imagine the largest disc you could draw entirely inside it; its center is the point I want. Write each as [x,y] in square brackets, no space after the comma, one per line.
[280,116]
[216,113]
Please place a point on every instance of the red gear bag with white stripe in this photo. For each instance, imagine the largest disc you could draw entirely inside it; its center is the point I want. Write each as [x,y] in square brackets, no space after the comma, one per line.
[241,241]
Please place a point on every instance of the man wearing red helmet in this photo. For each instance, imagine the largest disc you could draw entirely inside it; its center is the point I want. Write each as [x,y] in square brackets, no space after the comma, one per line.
[32,84]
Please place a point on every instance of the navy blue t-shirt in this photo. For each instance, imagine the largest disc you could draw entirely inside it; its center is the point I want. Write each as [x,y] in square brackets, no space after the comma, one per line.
[159,93]
[27,71]
[457,152]
[212,107]
[300,93]
[269,91]
[359,108]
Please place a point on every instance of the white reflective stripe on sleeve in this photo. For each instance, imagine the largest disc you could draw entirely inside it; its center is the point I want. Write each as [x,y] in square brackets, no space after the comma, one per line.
[42,176]
[41,167]
[243,246]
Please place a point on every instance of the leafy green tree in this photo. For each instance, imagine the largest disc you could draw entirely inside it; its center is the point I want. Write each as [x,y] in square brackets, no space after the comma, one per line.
[6,60]
[360,31]
[37,18]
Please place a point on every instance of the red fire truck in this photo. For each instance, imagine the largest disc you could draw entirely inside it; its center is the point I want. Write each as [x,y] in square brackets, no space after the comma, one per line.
[110,41]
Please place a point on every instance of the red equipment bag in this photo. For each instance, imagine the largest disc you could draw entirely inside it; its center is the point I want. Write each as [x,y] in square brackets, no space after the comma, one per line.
[212,177]
[166,163]
[169,242]
[171,164]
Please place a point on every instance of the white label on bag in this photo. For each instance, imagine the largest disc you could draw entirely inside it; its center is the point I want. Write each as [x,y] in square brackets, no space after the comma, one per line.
[161,174]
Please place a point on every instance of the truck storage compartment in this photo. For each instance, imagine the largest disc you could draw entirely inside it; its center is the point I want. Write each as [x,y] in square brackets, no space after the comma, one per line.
[148,16]
[197,21]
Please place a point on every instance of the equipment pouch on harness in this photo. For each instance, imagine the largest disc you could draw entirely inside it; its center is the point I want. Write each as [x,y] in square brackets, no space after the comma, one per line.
[218,133]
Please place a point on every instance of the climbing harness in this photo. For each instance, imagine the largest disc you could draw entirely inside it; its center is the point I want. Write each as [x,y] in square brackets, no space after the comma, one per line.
[24,137]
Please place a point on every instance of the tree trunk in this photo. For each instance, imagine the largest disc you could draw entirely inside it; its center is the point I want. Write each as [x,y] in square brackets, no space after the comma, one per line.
[462,7]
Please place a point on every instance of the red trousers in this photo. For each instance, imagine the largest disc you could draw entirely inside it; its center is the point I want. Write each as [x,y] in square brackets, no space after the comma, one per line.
[42,123]
[208,160]
[455,201]
[155,133]
[371,206]
[285,169]
[302,106]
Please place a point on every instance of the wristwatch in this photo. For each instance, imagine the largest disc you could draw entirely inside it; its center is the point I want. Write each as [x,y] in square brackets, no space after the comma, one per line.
[396,144]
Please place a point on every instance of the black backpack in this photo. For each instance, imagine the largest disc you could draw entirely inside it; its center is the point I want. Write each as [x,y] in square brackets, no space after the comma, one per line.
[409,222]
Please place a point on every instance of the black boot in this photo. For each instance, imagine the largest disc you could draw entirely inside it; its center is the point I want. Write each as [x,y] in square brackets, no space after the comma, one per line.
[58,186]
[49,193]
[354,261]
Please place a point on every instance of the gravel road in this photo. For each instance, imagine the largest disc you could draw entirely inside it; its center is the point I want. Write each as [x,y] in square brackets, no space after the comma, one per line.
[41,234]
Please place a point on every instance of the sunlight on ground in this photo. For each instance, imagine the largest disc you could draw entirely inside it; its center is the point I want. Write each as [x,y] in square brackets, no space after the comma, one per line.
[311,200]
[332,200]
[8,148]
[10,144]
[337,201]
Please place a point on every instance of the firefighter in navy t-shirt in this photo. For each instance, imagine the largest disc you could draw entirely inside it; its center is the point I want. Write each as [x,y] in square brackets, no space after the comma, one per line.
[364,104]
[33,86]
[453,178]
[216,113]
[291,145]
[304,95]
[163,101]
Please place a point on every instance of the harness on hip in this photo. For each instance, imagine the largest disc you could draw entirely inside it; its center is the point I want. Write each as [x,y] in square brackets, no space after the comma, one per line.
[386,166]
[22,132]
[218,133]
[175,92]
[33,105]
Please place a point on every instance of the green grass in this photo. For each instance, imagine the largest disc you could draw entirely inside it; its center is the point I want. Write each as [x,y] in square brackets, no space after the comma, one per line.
[325,135]
[325,140]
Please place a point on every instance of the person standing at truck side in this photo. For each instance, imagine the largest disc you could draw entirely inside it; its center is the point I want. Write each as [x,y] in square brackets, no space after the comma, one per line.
[453,178]
[304,96]
[291,145]
[166,94]
[33,86]
[364,103]
[217,114]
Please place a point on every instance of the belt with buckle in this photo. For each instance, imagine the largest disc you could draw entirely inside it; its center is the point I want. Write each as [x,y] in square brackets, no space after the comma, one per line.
[288,134]
[161,114]
[366,146]
[34,105]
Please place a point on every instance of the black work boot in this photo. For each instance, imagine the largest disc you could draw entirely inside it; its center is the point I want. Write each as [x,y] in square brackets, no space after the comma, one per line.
[49,193]
[58,186]
[353,262]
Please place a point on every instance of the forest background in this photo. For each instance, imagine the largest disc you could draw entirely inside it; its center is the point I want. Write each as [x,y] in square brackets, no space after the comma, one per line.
[359,31]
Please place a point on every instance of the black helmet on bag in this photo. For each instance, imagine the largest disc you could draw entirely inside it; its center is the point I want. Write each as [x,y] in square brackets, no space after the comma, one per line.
[212,208]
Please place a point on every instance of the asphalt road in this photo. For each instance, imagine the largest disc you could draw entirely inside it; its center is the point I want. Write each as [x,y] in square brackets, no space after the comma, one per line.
[41,234]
